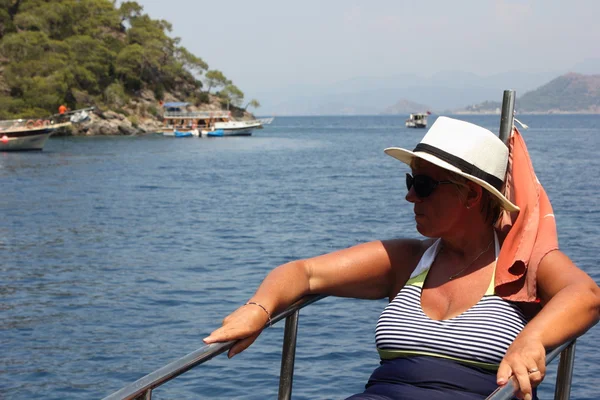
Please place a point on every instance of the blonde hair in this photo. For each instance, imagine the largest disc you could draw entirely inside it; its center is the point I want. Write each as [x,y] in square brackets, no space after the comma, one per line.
[490,206]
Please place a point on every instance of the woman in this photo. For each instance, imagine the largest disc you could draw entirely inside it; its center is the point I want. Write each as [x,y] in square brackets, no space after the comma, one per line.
[446,333]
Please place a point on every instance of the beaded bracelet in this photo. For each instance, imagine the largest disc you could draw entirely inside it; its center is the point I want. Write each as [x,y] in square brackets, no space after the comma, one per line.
[261,306]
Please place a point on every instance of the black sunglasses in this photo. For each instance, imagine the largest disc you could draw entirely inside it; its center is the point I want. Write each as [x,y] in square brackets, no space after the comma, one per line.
[424,185]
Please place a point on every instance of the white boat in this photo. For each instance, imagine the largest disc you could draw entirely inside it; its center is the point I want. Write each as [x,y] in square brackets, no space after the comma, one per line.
[19,138]
[417,120]
[237,128]
[32,134]
[176,118]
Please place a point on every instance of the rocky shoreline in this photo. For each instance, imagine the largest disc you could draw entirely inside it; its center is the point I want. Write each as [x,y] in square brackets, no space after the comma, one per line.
[111,123]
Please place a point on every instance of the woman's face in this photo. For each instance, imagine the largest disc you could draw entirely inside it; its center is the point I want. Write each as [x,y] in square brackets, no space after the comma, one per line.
[441,211]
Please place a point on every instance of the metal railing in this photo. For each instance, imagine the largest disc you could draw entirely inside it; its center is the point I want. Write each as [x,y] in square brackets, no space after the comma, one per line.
[143,387]
[564,375]
[53,121]
[196,114]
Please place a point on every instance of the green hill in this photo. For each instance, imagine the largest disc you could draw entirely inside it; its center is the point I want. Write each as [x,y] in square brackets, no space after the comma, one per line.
[90,53]
[567,93]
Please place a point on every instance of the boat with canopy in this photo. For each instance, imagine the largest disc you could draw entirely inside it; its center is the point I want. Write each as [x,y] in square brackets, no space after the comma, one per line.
[177,118]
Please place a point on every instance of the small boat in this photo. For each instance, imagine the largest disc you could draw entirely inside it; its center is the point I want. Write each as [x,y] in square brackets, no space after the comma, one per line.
[32,134]
[179,134]
[417,120]
[237,128]
[201,123]
[215,133]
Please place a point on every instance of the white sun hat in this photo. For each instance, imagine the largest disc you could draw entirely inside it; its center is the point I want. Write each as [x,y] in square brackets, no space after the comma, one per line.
[466,149]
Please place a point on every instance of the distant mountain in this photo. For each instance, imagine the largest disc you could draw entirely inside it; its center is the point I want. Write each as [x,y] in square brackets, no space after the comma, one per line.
[405,107]
[443,91]
[569,93]
[487,107]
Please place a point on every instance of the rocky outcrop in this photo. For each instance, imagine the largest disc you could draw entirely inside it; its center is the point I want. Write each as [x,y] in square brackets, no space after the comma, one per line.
[110,123]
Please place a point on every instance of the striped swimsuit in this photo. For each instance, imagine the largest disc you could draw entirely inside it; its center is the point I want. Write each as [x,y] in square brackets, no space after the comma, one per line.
[449,359]
[479,336]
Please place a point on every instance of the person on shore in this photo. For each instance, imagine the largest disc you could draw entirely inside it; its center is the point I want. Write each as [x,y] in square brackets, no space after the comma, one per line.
[62,109]
[465,313]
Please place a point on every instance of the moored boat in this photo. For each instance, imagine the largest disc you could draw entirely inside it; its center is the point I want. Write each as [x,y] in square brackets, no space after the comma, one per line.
[32,134]
[215,133]
[204,123]
[237,128]
[20,137]
[180,134]
[417,120]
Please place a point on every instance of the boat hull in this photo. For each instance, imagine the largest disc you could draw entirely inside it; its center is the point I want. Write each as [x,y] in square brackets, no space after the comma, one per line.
[235,132]
[209,133]
[237,128]
[413,125]
[24,141]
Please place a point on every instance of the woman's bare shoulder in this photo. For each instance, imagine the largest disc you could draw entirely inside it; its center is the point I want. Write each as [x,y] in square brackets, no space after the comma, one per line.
[404,256]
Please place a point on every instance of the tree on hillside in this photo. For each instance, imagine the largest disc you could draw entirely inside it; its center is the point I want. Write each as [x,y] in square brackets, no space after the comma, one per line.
[6,24]
[232,94]
[215,79]
[128,65]
[38,71]
[94,60]
[252,103]
[190,61]
[129,10]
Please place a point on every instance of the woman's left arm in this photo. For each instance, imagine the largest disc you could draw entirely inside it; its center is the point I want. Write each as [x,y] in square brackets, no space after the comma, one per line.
[570,302]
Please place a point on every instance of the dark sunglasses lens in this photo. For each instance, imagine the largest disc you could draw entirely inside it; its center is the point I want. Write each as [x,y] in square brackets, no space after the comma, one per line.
[423,184]
[409,181]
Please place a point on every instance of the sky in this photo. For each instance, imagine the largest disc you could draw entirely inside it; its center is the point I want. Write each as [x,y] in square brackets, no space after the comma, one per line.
[266,45]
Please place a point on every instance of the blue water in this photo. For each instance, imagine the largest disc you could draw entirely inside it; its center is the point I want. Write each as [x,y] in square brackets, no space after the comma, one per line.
[119,254]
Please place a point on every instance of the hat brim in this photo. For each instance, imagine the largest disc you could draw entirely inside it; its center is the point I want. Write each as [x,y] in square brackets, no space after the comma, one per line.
[407,156]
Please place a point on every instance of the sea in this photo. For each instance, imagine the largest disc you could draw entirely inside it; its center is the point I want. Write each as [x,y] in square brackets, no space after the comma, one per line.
[119,255]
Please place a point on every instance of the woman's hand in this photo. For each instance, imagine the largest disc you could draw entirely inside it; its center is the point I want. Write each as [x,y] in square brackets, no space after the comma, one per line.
[525,359]
[244,325]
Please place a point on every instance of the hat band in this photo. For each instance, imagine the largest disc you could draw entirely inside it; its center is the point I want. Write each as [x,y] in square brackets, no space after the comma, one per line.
[461,164]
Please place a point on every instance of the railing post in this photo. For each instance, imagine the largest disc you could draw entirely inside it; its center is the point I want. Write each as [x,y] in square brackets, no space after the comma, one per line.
[506,392]
[147,395]
[564,373]
[288,356]
[506,119]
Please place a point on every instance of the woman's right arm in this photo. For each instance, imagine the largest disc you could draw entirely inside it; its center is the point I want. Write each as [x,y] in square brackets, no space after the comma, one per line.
[368,271]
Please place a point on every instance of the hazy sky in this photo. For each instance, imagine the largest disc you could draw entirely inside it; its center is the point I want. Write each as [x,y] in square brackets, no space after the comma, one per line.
[265,45]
